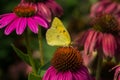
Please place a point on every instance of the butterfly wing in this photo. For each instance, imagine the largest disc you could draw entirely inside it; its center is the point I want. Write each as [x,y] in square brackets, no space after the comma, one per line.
[57,35]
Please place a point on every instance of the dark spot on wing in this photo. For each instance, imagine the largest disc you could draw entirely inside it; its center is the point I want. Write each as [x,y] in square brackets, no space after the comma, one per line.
[63,31]
[56,27]
[58,36]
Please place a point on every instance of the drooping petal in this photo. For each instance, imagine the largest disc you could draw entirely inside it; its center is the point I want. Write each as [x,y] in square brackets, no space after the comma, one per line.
[55,8]
[93,9]
[109,45]
[44,11]
[99,9]
[103,6]
[99,39]
[4,21]
[10,27]
[88,41]
[83,38]
[93,42]
[117,73]
[105,45]
[32,25]
[111,8]
[41,21]
[21,25]
[112,45]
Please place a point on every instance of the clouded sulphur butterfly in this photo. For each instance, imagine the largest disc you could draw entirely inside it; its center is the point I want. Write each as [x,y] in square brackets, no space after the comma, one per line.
[57,35]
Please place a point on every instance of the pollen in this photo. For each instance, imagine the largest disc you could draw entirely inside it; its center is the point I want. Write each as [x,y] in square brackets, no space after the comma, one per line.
[67,58]
[106,23]
[24,11]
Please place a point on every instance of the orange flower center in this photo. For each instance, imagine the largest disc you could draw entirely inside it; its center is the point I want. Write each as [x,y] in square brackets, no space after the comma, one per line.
[24,11]
[67,58]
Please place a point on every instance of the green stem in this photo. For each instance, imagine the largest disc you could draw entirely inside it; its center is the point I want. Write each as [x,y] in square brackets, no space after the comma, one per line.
[40,46]
[27,39]
[99,66]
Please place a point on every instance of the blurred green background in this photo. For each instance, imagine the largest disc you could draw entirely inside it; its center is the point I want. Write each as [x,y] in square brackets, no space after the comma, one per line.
[76,14]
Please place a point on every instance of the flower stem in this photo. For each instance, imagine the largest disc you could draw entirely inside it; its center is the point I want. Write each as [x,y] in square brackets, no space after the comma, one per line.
[99,65]
[40,46]
[27,39]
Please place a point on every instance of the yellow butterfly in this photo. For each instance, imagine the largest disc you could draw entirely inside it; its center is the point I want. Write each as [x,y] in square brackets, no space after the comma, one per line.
[57,35]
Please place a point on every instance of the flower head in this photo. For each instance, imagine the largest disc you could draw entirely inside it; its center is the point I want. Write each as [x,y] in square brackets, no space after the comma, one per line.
[67,65]
[46,8]
[105,6]
[23,15]
[103,36]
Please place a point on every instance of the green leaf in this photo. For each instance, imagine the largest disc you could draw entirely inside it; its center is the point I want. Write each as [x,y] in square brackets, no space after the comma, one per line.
[25,57]
[42,73]
[46,66]
[22,55]
[32,76]
[43,69]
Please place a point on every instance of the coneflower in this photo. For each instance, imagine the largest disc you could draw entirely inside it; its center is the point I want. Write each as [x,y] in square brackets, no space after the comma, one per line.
[46,8]
[23,15]
[67,64]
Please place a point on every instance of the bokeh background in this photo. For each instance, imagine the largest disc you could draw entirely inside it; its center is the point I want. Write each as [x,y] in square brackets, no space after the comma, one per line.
[75,18]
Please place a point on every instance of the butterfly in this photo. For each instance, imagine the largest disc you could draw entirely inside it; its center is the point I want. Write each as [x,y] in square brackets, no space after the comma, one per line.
[57,34]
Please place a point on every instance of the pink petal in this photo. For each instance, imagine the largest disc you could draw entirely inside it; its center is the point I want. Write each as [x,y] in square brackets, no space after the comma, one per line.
[83,73]
[93,42]
[32,25]
[68,75]
[113,45]
[111,8]
[21,25]
[104,45]
[76,76]
[7,14]
[99,38]
[83,38]
[7,19]
[55,8]
[99,9]
[109,45]
[41,21]
[117,13]
[59,76]
[93,9]
[88,41]
[10,27]
[117,74]
[44,11]
[64,76]
[50,74]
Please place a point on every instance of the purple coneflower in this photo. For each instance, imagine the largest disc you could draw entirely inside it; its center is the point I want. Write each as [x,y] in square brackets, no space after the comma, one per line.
[103,36]
[105,6]
[23,15]
[67,64]
[46,8]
